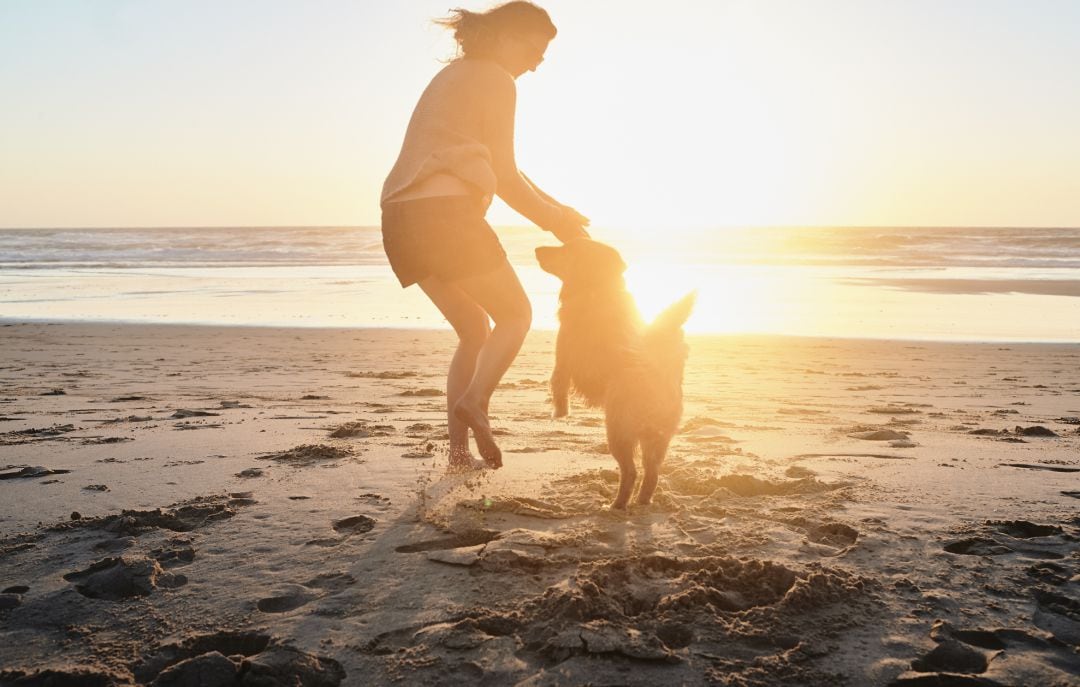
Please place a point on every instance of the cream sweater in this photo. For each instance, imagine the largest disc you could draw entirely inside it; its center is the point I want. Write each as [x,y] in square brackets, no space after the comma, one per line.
[464,125]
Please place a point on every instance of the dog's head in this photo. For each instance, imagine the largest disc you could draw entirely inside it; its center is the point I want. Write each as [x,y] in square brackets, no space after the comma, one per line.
[583,264]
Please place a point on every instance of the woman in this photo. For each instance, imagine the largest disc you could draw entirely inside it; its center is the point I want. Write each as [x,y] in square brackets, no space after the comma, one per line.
[458,153]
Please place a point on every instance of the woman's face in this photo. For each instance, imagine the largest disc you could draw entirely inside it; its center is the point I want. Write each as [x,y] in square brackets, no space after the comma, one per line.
[523,51]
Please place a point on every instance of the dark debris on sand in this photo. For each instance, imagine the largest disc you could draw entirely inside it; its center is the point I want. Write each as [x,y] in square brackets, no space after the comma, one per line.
[182,517]
[31,472]
[360,429]
[308,454]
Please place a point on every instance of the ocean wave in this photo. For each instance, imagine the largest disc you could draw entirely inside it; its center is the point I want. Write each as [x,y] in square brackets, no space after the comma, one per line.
[1038,248]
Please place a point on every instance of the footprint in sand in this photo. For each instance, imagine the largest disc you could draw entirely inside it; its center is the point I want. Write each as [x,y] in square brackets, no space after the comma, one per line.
[963,657]
[1022,529]
[9,600]
[357,524]
[331,582]
[287,599]
[175,557]
[294,596]
[1026,539]
[833,534]
[977,546]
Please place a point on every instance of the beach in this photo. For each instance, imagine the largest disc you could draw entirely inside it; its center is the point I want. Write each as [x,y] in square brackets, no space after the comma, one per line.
[190,505]
[225,459]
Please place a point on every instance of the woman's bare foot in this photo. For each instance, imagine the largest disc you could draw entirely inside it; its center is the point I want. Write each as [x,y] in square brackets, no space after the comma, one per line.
[474,416]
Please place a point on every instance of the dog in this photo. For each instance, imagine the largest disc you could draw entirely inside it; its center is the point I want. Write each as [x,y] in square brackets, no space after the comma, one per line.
[606,353]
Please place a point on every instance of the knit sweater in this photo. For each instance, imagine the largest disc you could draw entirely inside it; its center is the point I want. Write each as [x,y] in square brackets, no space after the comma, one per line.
[463,125]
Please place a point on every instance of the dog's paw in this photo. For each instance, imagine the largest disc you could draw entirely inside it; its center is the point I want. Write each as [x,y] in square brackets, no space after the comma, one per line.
[560,408]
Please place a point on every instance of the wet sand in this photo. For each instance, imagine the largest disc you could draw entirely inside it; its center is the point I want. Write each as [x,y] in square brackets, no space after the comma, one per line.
[196,505]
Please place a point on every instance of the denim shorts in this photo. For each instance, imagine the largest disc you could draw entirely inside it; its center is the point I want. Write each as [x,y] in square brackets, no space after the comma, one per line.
[442,236]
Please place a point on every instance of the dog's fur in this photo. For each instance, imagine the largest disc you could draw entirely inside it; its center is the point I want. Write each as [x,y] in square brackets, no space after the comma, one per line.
[613,360]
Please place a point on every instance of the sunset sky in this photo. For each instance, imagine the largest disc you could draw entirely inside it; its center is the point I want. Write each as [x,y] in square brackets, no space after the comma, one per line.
[675,115]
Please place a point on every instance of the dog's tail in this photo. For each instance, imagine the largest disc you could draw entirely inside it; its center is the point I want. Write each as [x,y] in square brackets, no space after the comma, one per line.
[672,319]
[665,345]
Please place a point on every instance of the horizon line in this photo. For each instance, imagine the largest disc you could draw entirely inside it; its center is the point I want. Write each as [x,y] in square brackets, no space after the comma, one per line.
[529,227]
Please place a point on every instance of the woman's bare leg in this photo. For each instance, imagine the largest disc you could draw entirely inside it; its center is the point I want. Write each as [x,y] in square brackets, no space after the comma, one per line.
[500,295]
[470,322]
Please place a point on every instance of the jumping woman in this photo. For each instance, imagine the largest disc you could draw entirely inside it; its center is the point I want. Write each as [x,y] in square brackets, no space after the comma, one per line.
[457,155]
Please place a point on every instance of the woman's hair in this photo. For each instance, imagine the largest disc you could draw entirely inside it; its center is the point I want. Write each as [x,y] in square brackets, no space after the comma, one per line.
[476,33]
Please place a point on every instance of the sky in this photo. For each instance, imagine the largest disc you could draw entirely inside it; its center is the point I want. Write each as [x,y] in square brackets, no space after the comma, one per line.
[674,116]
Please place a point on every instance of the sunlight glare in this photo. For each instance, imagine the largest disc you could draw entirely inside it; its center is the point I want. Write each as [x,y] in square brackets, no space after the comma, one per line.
[729,299]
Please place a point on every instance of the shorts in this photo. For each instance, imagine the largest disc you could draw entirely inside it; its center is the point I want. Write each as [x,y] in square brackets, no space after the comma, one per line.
[442,236]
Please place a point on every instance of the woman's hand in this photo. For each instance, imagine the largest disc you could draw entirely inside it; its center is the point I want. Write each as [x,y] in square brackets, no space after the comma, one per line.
[569,225]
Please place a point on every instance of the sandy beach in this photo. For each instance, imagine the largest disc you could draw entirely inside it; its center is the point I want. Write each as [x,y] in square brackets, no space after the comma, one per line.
[184,505]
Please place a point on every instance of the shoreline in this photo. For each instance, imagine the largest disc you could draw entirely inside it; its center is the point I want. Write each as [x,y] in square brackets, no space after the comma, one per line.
[15,322]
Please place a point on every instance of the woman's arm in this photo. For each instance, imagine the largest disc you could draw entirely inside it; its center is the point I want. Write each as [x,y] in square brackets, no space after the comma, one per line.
[537,189]
[518,192]
[513,187]
[575,216]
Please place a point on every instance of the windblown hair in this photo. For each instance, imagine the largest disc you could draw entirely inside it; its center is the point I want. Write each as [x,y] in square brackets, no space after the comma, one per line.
[476,33]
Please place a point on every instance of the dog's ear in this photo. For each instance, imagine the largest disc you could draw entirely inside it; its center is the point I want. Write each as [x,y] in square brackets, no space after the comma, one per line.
[552,259]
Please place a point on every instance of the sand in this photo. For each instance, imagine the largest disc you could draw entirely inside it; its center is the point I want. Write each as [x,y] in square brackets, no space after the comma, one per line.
[212,506]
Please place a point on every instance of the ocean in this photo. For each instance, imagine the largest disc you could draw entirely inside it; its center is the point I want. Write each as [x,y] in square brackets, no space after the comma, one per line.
[918,283]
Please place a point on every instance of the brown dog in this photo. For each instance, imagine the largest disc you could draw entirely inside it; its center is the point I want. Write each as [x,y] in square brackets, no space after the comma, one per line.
[613,360]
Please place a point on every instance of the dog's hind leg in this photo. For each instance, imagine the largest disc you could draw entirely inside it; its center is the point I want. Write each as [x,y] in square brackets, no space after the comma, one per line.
[623,451]
[560,380]
[653,450]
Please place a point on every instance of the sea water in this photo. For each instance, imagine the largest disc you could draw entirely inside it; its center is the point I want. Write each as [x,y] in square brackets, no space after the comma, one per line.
[976,284]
